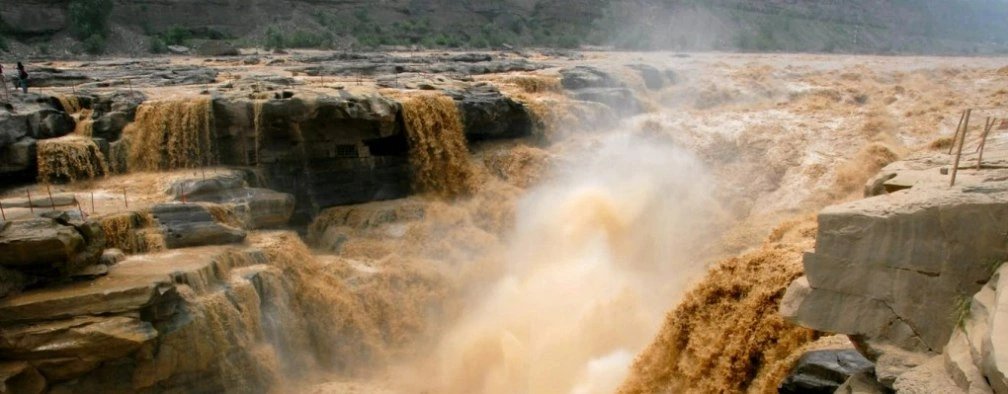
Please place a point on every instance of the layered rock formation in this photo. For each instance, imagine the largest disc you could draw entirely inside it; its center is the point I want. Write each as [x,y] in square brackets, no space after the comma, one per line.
[896,272]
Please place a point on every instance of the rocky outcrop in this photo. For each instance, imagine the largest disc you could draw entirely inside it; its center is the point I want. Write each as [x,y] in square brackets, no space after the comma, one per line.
[896,272]
[49,247]
[595,85]
[325,150]
[189,225]
[191,321]
[488,114]
[255,207]
[876,259]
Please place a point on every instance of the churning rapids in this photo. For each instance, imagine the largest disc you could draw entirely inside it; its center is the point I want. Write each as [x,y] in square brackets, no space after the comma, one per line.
[643,254]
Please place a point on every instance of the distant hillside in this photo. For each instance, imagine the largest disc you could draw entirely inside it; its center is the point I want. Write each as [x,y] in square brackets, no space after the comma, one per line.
[70,27]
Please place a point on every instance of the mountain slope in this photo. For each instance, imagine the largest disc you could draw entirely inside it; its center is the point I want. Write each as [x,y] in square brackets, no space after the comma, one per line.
[901,26]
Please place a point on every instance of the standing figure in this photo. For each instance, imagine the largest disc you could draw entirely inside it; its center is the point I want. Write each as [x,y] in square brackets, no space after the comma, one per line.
[22,78]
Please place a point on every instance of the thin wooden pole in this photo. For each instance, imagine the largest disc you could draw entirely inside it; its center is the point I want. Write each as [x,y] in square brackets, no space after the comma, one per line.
[125,200]
[31,205]
[954,137]
[962,140]
[2,213]
[983,141]
[52,203]
[79,209]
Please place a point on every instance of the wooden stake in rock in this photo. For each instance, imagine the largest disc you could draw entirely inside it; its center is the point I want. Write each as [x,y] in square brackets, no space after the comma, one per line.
[31,206]
[959,127]
[125,200]
[983,140]
[2,213]
[962,140]
[92,202]
[52,203]
[79,209]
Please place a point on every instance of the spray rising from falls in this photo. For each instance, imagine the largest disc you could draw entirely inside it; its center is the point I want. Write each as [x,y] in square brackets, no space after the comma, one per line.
[171,135]
[438,149]
[596,257]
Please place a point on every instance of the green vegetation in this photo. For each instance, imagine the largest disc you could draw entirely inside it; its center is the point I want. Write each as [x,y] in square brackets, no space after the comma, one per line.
[88,21]
[157,45]
[961,311]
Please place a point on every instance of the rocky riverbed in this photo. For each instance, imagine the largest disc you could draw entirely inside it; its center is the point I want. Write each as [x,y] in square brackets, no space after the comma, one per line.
[396,222]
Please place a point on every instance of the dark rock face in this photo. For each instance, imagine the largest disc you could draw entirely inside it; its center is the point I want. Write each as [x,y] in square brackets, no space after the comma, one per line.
[581,77]
[113,112]
[488,114]
[823,371]
[653,78]
[325,150]
[597,86]
[188,225]
[257,207]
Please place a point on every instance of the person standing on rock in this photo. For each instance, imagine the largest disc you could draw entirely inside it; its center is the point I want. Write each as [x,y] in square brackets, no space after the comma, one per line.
[22,78]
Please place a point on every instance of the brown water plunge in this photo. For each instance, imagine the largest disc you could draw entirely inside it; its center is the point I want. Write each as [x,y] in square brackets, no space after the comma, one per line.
[438,151]
[170,135]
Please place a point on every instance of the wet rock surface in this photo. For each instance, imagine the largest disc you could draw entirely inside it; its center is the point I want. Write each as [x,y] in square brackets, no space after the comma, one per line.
[188,225]
[257,207]
[823,371]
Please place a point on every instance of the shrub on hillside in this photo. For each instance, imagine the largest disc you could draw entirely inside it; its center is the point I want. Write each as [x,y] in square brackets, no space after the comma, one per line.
[89,18]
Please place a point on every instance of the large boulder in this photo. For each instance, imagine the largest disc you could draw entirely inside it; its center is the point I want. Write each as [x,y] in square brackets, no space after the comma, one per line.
[188,225]
[38,245]
[113,112]
[877,260]
[823,371]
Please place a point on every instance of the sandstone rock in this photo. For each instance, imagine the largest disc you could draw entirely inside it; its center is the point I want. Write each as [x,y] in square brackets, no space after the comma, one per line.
[84,338]
[187,225]
[994,357]
[178,49]
[20,377]
[823,371]
[260,208]
[38,244]
[863,382]
[961,368]
[876,259]
[928,378]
